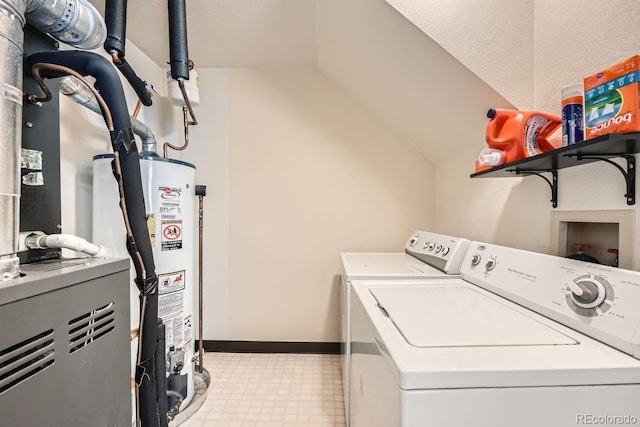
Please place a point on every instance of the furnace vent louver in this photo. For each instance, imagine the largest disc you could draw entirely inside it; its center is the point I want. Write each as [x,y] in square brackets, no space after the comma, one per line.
[85,329]
[25,359]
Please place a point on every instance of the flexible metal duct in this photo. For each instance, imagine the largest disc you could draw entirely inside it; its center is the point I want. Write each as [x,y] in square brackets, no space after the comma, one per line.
[74,22]
[78,92]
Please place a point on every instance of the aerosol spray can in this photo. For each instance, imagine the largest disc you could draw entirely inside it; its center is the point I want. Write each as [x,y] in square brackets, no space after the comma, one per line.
[572,114]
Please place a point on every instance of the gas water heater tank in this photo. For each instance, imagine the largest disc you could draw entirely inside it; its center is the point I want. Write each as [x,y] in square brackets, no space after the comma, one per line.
[170,201]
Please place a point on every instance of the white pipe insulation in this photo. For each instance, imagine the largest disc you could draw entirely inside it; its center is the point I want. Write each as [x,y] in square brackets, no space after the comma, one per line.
[75,22]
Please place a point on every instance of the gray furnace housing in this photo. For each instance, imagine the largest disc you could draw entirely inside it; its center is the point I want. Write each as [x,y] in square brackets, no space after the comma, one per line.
[65,345]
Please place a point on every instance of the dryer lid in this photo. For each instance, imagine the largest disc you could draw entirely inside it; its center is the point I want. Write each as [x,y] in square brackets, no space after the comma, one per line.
[459,316]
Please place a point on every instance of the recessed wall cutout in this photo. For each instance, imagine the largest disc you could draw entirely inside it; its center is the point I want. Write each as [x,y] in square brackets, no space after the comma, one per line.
[605,236]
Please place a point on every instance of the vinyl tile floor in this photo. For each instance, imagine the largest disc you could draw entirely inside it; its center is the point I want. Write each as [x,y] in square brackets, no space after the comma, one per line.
[284,390]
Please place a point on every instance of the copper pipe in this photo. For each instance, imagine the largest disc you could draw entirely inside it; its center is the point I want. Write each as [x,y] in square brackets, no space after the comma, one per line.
[167,145]
[123,207]
[200,287]
[116,58]
[136,111]
[35,70]
[187,101]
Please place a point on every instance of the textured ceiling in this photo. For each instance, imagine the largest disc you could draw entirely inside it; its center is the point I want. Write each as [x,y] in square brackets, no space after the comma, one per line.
[228,33]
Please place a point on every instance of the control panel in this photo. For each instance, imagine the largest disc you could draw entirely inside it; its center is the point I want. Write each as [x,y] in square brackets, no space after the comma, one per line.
[598,300]
[442,251]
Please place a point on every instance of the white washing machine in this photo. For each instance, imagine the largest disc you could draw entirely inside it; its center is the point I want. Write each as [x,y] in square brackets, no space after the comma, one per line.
[426,255]
[521,339]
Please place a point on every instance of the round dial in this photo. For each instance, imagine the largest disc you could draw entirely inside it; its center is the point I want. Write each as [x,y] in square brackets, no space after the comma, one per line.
[491,264]
[475,259]
[413,240]
[589,295]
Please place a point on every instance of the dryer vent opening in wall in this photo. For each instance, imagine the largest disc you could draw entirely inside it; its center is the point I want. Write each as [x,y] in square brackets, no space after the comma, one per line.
[608,236]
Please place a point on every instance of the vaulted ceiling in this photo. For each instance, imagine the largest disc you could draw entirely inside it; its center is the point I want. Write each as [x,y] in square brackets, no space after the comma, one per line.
[367,47]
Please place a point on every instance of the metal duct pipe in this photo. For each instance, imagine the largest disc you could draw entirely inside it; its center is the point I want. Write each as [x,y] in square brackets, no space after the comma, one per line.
[11,45]
[81,94]
[75,22]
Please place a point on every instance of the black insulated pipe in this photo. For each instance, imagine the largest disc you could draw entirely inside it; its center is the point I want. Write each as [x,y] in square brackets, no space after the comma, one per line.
[115,16]
[161,378]
[116,21]
[138,85]
[178,48]
[146,374]
[139,245]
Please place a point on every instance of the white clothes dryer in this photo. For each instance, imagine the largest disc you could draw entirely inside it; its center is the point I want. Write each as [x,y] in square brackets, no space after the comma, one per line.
[426,255]
[520,339]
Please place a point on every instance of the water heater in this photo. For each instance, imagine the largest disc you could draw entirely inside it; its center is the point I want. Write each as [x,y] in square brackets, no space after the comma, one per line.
[170,201]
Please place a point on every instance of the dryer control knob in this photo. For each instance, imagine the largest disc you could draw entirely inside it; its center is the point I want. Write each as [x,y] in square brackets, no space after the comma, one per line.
[445,251]
[431,246]
[413,240]
[491,264]
[438,248]
[475,259]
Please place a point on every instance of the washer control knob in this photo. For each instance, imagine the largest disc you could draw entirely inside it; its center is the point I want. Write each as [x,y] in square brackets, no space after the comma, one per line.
[445,250]
[431,246]
[475,259]
[587,293]
[438,248]
[426,245]
[491,264]
[413,241]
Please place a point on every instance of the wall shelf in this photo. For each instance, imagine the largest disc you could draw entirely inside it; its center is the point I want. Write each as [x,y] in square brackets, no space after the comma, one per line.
[602,148]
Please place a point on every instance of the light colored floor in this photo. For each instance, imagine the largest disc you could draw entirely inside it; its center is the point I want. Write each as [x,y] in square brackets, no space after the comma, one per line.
[271,390]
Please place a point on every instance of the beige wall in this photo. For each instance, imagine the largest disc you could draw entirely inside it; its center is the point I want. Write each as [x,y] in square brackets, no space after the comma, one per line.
[304,172]
[571,39]
[298,171]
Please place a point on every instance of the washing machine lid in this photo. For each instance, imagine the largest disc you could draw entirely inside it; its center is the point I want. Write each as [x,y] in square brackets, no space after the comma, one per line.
[455,316]
[464,340]
[385,265]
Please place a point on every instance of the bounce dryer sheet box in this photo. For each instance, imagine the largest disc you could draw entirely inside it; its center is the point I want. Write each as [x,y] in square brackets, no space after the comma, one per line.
[611,99]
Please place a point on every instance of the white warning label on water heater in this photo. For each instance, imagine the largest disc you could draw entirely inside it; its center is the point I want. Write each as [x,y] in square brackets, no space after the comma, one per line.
[170,282]
[188,330]
[171,236]
[171,311]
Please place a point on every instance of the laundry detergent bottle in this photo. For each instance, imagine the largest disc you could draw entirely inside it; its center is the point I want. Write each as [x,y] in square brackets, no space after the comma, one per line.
[519,134]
